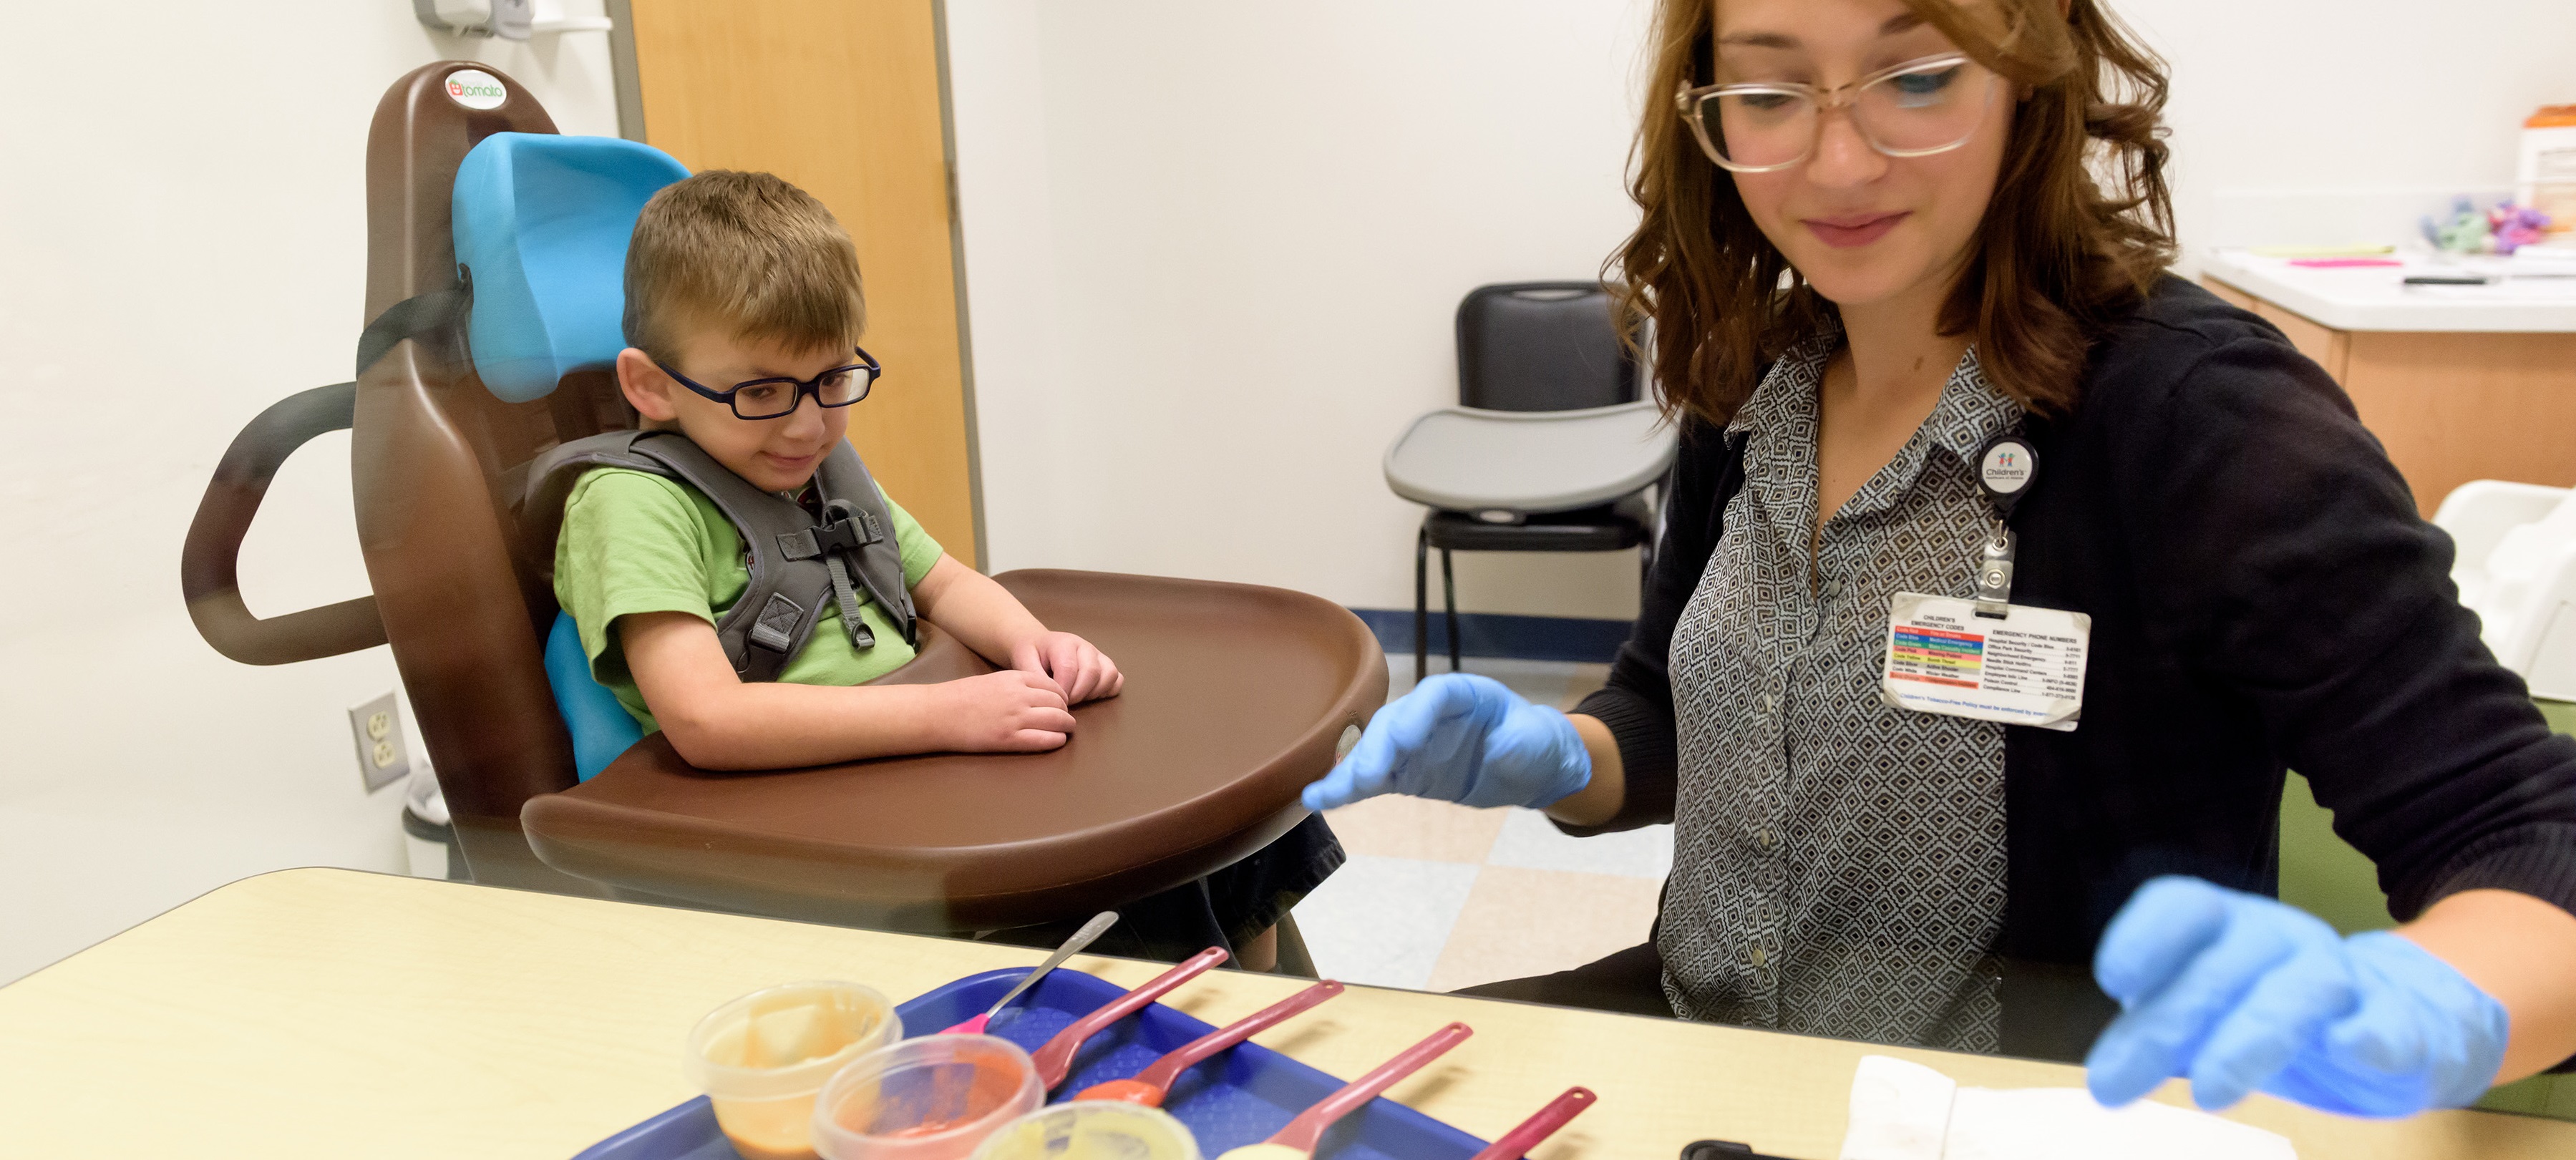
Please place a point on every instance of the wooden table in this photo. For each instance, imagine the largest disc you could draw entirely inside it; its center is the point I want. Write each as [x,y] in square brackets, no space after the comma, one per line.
[335,1013]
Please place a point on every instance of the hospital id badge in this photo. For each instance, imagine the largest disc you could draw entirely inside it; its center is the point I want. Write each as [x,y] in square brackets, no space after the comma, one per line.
[1954,656]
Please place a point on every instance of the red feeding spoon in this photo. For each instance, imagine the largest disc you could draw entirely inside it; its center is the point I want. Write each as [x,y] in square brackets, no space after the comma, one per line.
[1512,1144]
[1081,938]
[1056,1058]
[1304,1133]
[1152,1084]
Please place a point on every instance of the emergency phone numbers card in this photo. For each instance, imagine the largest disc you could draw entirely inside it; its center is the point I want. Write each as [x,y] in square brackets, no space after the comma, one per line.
[2025,667]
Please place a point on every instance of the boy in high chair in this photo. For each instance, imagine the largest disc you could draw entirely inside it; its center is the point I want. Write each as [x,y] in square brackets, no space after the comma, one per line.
[743,309]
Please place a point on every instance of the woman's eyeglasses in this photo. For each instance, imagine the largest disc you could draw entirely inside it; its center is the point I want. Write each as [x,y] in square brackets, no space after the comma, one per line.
[1915,109]
[773,398]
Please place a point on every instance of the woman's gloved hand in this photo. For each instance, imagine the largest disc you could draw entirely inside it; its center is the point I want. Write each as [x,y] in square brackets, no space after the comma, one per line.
[2241,993]
[1464,739]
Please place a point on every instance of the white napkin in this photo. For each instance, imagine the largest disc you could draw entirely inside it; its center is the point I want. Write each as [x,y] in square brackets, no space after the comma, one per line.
[1906,1111]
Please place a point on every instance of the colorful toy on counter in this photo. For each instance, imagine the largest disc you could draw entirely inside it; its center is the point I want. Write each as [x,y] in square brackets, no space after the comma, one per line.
[2516,227]
[1099,925]
[1532,1132]
[2501,230]
[1149,1086]
[1055,1060]
[762,1058]
[1299,1139]
[2465,231]
[1091,1130]
[933,1098]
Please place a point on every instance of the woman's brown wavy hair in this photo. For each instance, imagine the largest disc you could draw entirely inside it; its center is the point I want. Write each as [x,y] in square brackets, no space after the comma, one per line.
[2079,227]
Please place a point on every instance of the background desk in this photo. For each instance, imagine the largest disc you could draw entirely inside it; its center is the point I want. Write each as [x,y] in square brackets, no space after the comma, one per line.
[2456,387]
[334,1013]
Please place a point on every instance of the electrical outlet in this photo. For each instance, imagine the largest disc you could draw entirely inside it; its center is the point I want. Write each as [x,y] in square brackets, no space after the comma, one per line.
[383,757]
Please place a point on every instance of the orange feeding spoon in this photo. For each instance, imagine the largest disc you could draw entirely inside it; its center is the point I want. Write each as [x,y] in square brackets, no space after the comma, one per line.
[1512,1145]
[1299,1139]
[1152,1084]
[1055,1060]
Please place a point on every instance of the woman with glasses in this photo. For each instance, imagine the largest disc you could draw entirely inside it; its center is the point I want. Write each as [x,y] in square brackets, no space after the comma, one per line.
[2005,574]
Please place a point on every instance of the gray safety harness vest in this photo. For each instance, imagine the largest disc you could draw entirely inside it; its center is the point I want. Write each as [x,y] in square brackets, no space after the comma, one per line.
[797,562]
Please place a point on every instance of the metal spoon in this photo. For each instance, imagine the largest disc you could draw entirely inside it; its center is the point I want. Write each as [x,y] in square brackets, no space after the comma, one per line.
[1093,929]
[1152,1084]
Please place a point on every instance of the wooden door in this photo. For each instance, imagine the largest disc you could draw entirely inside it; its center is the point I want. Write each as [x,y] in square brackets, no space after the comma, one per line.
[841,97]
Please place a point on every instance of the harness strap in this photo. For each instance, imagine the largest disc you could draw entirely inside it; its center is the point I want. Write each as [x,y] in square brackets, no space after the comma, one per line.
[798,566]
[861,636]
[775,628]
[421,316]
[847,530]
[889,591]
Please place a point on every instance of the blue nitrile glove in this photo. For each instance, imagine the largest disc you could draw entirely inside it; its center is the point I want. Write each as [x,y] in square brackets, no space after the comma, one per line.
[2240,992]
[1464,739]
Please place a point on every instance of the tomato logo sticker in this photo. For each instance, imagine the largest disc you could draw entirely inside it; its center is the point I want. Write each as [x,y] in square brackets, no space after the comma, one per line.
[475,89]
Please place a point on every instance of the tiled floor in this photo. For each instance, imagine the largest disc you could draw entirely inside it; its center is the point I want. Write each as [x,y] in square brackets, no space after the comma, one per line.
[1440,897]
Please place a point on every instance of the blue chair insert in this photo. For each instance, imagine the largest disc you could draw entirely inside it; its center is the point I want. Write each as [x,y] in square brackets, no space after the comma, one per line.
[601,728]
[541,222]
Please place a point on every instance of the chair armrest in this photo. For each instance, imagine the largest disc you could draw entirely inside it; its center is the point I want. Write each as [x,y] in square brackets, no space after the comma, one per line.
[2478,513]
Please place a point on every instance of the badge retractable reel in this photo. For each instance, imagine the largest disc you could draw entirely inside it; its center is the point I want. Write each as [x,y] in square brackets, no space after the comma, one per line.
[2005,467]
[1986,657]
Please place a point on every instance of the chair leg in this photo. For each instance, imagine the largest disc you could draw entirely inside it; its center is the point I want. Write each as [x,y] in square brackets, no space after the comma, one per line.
[1449,599]
[1421,605]
[1294,959]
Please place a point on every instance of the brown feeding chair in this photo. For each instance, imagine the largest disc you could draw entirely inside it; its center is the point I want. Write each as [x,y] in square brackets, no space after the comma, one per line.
[1236,695]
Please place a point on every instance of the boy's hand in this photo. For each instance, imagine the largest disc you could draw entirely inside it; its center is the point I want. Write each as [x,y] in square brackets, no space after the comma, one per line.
[1005,712]
[1082,671]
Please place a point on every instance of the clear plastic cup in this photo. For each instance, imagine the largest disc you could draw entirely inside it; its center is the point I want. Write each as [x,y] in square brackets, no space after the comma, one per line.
[762,1058]
[1092,1130]
[932,1098]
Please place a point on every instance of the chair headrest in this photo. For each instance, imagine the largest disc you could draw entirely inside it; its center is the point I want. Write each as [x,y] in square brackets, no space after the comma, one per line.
[541,223]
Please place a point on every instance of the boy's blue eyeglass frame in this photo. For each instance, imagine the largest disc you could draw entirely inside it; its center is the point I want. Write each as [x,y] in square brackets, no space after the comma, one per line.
[866,366]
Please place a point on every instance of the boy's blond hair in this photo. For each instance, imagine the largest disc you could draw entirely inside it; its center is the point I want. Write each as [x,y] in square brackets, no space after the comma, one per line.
[746,251]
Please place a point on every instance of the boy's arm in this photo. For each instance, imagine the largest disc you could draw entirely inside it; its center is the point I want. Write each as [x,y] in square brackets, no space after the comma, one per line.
[967,604]
[717,721]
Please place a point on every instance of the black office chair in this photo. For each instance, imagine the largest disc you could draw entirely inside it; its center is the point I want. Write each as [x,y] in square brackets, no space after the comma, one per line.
[1550,449]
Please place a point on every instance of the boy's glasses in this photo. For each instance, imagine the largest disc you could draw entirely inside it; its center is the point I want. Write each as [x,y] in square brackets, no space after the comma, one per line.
[777,398]
[1915,109]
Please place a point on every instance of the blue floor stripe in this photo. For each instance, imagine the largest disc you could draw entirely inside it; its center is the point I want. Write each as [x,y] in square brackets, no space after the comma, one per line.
[1495,634]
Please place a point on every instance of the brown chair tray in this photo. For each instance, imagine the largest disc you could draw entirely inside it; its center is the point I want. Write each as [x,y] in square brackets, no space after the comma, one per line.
[1236,697]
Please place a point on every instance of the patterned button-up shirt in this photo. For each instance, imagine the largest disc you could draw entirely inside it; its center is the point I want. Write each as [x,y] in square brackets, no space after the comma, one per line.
[1838,862]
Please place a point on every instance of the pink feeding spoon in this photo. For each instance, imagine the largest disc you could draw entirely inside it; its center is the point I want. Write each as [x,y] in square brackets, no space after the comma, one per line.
[1056,1058]
[1299,1139]
[1152,1084]
[1513,1144]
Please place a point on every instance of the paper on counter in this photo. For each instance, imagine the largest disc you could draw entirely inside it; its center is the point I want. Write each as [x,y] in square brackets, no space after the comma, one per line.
[1906,1111]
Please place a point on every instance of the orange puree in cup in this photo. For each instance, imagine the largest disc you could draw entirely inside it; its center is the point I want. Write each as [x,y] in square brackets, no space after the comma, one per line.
[768,1129]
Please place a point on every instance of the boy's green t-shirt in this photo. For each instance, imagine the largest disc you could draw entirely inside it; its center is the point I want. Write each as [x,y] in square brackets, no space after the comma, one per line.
[637,542]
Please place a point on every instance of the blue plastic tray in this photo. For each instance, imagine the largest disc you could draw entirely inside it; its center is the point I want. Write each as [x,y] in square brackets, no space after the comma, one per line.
[1238,1098]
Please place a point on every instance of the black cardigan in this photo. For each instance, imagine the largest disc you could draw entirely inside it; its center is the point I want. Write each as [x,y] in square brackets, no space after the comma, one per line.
[2264,596]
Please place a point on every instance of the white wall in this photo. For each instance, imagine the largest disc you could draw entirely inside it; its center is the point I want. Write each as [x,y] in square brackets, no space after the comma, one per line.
[1213,253]
[2361,95]
[182,232]
[1213,249]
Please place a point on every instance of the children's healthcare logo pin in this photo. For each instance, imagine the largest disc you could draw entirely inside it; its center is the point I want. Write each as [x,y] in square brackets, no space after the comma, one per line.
[475,89]
[2007,466]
